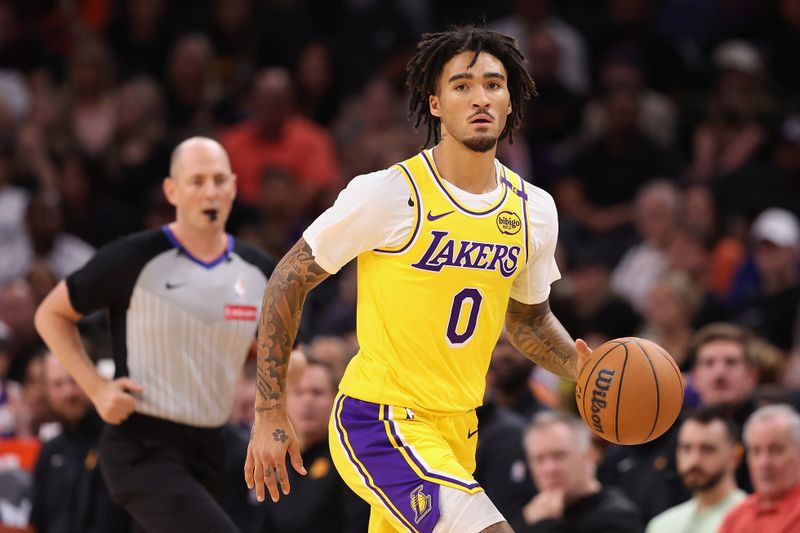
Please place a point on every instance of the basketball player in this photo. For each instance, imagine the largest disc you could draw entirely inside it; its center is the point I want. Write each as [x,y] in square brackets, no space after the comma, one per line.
[183,304]
[450,244]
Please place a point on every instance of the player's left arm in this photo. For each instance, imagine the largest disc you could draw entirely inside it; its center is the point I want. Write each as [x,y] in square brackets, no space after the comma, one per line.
[536,332]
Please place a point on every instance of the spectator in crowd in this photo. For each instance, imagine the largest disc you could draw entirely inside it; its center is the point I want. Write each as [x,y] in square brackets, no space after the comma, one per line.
[14,416]
[725,374]
[509,380]
[655,217]
[69,492]
[277,135]
[570,497]
[769,288]
[670,309]
[17,307]
[14,249]
[604,177]
[772,437]
[707,456]
[601,313]
[501,468]
[734,130]
[320,501]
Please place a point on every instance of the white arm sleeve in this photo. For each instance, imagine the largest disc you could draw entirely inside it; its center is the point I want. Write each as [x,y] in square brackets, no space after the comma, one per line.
[532,286]
[373,211]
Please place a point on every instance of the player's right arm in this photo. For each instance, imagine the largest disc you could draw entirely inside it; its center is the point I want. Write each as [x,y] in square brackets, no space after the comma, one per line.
[273,434]
[56,321]
[372,212]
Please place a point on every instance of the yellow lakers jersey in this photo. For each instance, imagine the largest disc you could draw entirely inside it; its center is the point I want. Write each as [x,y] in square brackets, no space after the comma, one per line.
[431,310]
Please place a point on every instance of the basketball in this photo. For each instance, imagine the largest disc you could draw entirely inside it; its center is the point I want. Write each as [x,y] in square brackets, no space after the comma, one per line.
[630,391]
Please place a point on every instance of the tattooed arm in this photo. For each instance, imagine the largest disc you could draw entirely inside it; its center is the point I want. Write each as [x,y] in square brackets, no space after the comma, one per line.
[536,332]
[286,291]
[272,435]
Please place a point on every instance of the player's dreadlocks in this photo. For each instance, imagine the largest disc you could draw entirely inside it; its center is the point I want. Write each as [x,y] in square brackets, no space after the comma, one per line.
[436,49]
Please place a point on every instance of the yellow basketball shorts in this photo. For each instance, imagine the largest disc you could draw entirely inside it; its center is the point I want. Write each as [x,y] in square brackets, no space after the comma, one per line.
[397,459]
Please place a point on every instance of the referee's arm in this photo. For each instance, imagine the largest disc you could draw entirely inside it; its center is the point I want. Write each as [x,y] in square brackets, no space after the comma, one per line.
[56,321]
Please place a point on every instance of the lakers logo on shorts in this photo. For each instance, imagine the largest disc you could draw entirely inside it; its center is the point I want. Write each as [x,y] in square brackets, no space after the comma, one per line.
[420,504]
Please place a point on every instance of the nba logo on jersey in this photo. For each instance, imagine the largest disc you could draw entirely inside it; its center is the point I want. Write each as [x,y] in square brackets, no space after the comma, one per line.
[238,288]
[420,504]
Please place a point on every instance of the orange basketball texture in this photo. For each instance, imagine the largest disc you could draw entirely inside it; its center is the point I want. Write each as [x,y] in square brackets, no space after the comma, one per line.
[630,391]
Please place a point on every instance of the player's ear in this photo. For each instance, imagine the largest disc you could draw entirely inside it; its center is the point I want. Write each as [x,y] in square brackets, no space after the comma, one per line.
[235,181]
[168,186]
[433,104]
[508,112]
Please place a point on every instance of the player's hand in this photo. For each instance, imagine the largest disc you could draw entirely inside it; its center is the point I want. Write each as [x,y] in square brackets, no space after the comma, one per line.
[271,437]
[115,401]
[546,504]
[584,354]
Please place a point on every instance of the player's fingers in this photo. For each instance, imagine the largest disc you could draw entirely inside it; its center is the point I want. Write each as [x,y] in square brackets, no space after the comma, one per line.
[249,464]
[296,458]
[129,385]
[271,482]
[258,479]
[283,476]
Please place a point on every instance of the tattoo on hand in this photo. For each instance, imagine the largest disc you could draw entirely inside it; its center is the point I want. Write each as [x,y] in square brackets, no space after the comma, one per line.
[261,409]
[296,274]
[280,435]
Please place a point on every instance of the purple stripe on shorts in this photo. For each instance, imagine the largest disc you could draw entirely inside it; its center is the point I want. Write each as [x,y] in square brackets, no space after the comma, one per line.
[416,499]
[419,464]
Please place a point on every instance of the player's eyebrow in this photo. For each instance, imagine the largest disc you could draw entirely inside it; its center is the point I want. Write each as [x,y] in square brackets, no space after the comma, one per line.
[469,76]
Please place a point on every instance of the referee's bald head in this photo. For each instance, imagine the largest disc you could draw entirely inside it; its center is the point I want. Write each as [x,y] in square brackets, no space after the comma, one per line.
[193,147]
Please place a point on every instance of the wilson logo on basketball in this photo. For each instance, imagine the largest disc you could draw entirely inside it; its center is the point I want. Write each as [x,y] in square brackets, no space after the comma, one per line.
[601,384]
[240,312]
[508,223]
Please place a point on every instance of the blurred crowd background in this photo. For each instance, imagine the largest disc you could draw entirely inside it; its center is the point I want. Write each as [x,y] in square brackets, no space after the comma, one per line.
[667,131]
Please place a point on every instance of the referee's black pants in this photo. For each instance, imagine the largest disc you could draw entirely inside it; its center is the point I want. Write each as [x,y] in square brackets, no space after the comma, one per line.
[167,476]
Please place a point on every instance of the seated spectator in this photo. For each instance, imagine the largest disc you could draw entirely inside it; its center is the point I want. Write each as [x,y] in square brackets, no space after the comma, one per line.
[707,457]
[655,216]
[570,498]
[508,380]
[17,306]
[596,197]
[500,457]
[768,289]
[772,437]
[278,136]
[69,492]
[724,374]
[670,308]
[14,416]
[320,501]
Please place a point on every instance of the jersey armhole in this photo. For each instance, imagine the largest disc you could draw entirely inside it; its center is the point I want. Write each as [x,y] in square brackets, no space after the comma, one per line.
[417,215]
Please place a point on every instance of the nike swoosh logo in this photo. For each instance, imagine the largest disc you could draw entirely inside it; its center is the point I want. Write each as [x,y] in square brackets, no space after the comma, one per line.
[432,217]
[171,286]
[471,434]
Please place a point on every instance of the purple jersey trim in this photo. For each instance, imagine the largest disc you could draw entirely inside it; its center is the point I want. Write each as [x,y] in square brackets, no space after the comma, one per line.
[418,222]
[417,461]
[210,264]
[441,185]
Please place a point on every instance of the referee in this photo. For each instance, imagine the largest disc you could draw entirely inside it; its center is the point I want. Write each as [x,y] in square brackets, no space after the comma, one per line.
[183,303]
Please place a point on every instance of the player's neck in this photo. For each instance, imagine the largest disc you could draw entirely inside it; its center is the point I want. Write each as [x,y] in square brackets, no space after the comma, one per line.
[205,245]
[711,497]
[470,171]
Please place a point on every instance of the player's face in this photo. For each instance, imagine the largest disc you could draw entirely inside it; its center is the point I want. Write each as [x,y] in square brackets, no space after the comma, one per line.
[704,455]
[721,374]
[773,456]
[202,188]
[309,404]
[472,102]
[556,462]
